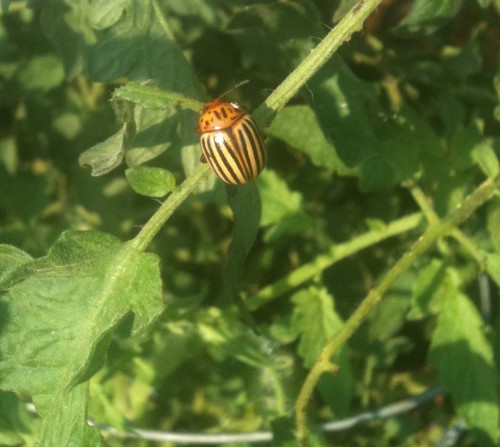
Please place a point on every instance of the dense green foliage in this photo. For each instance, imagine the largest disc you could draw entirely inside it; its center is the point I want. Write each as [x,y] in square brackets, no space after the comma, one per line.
[118,308]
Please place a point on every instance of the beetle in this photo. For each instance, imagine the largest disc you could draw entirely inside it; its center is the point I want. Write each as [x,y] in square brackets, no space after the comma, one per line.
[231,142]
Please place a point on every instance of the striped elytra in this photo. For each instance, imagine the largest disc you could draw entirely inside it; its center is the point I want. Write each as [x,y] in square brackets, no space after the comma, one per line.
[231,142]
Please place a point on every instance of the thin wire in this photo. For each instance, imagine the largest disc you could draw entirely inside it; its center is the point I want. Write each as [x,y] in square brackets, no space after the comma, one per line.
[386,412]
[452,435]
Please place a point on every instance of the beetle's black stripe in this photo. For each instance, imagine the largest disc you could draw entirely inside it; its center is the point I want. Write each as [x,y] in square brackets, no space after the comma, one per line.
[223,111]
[217,159]
[233,157]
[237,154]
[217,115]
[253,146]
[208,146]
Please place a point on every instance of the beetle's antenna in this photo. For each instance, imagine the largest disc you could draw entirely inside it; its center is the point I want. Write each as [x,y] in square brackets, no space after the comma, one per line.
[239,84]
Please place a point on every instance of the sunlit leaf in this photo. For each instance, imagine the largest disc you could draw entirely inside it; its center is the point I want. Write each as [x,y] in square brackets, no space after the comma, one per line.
[76,296]
[464,357]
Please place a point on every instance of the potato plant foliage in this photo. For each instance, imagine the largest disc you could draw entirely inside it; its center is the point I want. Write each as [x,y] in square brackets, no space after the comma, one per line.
[372,235]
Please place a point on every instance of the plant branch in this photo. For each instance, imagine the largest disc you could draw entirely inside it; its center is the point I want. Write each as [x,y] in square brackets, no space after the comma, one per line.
[351,23]
[433,233]
[342,32]
[153,225]
[336,253]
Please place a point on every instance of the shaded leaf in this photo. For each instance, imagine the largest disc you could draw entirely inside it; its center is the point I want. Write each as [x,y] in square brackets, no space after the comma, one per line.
[64,22]
[244,201]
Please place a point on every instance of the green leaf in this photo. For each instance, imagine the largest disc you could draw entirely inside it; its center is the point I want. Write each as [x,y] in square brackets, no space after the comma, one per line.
[464,358]
[434,281]
[390,315]
[42,73]
[65,422]
[152,182]
[300,129]
[138,47]
[75,296]
[281,208]
[427,15]
[277,200]
[105,13]
[244,201]
[485,157]
[8,154]
[105,156]
[5,6]
[316,322]
[385,148]
[151,97]
[10,259]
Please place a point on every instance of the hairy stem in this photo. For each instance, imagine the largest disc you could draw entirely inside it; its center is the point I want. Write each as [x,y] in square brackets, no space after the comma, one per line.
[351,23]
[336,253]
[433,233]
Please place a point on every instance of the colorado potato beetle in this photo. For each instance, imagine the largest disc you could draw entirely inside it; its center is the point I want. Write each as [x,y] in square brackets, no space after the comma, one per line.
[231,142]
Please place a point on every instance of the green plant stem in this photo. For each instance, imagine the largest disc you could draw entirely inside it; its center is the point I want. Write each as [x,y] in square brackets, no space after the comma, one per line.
[153,226]
[337,252]
[342,32]
[472,249]
[433,233]
[351,23]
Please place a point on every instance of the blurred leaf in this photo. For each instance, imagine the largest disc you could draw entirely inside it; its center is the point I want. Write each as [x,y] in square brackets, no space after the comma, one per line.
[465,61]
[152,182]
[42,73]
[105,156]
[464,357]
[485,157]
[28,194]
[283,432]
[64,22]
[275,36]
[8,155]
[5,6]
[105,13]
[493,267]
[16,426]
[427,15]
[493,223]
[299,128]
[87,284]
